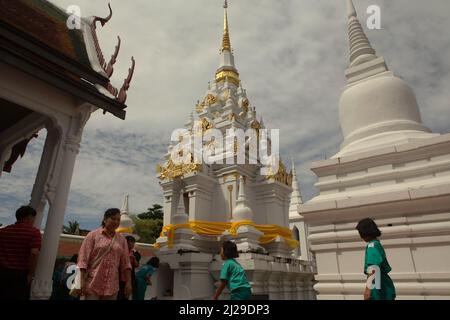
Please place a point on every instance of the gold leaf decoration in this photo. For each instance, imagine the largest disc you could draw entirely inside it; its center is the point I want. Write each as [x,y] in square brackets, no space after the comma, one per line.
[172,171]
[281,175]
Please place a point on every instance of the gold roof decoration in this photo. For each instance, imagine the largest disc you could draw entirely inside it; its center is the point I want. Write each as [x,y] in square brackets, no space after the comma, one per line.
[245,104]
[206,125]
[172,171]
[256,125]
[199,107]
[225,95]
[281,176]
[210,100]
[228,75]
[226,42]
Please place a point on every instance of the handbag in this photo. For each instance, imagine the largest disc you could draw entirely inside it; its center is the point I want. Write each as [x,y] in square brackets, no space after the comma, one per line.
[76,284]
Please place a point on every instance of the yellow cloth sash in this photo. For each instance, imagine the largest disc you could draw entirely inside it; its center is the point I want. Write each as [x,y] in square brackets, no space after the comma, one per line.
[206,228]
[124,230]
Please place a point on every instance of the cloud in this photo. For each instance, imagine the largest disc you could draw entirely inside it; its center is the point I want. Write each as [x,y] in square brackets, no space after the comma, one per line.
[291,56]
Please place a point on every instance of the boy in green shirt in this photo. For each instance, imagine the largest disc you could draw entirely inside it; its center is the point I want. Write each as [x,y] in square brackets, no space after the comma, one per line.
[375,261]
[232,275]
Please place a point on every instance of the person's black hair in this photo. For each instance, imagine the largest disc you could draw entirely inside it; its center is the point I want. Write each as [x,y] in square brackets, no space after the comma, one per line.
[130,239]
[110,213]
[74,258]
[230,250]
[24,212]
[368,229]
[154,262]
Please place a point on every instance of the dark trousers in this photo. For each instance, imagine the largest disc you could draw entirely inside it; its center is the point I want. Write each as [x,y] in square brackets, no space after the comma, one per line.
[121,294]
[14,284]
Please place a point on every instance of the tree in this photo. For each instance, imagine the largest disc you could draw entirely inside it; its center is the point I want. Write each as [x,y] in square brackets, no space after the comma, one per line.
[154,212]
[147,229]
[72,228]
[148,225]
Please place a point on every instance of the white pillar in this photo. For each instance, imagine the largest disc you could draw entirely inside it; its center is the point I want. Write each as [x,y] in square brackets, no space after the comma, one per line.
[38,195]
[42,284]
[304,245]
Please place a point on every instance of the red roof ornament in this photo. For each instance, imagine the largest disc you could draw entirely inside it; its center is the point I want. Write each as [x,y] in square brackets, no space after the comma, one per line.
[113,90]
[126,83]
[103,21]
[110,67]
[17,151]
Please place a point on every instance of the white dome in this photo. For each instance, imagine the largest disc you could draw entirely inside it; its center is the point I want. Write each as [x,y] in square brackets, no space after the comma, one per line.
[242,212]
[378,105]
[125,221]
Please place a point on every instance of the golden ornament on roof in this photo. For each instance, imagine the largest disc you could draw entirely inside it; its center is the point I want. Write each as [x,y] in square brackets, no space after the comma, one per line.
[172,171]
[199,107]
[281,175]
[206,125]
[245,104]
[210,100]
[256,125]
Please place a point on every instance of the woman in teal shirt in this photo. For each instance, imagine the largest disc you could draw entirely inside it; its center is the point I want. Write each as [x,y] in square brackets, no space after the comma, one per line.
[232,275]
[143,277]
[375,259]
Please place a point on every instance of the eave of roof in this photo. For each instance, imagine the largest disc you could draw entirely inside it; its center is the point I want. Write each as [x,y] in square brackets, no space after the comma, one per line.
[28,62]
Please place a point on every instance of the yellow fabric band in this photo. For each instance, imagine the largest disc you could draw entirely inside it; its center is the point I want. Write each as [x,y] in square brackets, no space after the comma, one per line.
[124,230]
[206,228]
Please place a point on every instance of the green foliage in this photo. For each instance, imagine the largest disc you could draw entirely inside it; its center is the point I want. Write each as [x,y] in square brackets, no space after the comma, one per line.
[72,228]
[154,212]
[147,229]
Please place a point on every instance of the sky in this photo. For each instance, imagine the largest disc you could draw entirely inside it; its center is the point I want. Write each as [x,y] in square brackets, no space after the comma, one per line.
[291,56]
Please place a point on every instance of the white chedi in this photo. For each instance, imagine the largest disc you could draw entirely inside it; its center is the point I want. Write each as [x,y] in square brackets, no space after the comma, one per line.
[126,226]
[180,217]
[242,211]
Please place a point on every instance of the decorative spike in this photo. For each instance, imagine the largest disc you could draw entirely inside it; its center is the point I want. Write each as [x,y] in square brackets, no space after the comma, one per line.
[103,21]
[241,197]
[125,205]
[180,208]
[226,43]
[110,67]
[113,90]
[296,198]
[126,83]
[351,11]
[359,43]
[93,25]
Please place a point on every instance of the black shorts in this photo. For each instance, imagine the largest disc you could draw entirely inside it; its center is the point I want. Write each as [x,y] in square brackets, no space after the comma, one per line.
[14,284]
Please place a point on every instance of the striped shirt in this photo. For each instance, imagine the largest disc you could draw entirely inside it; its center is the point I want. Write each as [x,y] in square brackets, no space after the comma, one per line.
[16,242]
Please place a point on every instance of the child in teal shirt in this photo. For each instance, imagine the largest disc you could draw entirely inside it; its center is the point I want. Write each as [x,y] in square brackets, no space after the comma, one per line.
[232,275]
[375,258]
[143,277]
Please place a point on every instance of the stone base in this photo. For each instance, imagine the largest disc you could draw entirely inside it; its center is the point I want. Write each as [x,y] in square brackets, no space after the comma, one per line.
[195,276]
[279,248]
[41,289]
[273,278]
[185,275]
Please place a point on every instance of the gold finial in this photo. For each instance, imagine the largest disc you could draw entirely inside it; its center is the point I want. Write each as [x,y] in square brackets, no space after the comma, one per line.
[226,43]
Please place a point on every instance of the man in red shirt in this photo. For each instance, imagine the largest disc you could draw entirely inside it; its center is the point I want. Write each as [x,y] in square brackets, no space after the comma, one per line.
[20,244]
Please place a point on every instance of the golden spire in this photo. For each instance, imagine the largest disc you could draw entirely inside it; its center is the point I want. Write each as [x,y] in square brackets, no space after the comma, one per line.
[227,71]
[226,43]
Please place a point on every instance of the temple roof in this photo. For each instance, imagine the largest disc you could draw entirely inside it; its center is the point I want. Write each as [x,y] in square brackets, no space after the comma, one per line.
[35,38]
[36,18]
